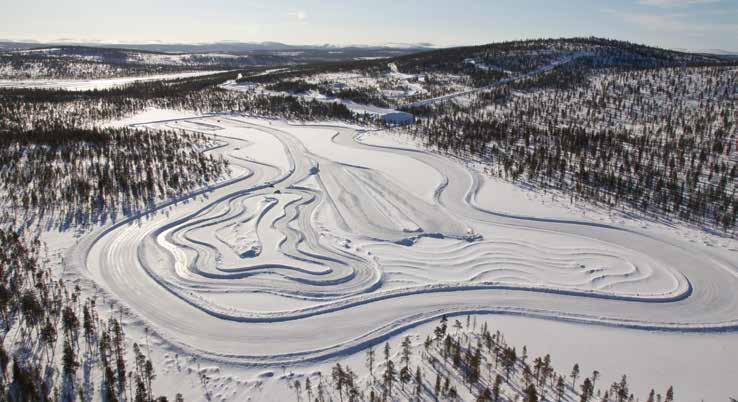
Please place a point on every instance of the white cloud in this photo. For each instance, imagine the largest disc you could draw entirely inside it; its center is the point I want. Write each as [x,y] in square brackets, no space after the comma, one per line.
[674,22]
[298,15]
[656,22]
[675,3]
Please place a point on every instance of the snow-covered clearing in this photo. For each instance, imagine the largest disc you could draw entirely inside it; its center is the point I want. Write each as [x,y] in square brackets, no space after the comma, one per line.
[389,115]
[333,239]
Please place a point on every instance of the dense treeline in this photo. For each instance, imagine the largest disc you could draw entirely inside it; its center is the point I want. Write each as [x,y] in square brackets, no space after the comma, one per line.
[293,108]
[359,95]
[57,162]
[49,333]
[93,62]
[527,55]
[464,362]
[657,140]
[33,65]
[84,62]
[141,91]
[371,87]
[80,173]
[415,77]
[23,108]
[486,64]
[295,87]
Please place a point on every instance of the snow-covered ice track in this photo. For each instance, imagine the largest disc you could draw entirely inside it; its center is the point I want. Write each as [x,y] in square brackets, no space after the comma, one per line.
[320,249]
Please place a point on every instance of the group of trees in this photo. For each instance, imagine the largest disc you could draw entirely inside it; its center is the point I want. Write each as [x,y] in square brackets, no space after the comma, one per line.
[58,333]
[83,62]
[523,56]
[56,158]
[26,108]
[444,71]
[661,141]
[79,173]
[656,137]
[463,362]
[51,64]
[359,95]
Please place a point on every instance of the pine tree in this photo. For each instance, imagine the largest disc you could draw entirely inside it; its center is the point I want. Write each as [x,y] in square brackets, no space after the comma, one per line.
[587,390]
[4,361]
[669,395]
[406,351]
[595,377]
[418,382]
[339,378]
[309,389]
[531,394]
[370,361]
[389,376]
[298,390]
[440,330]
[560,388]
[485,396]
[574,375]
[69,360]
[497,387]
[405,376]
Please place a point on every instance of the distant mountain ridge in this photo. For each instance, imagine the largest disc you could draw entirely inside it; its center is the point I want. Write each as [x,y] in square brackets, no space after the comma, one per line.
[527,55]
[26,60]
[221,46]
[483,64]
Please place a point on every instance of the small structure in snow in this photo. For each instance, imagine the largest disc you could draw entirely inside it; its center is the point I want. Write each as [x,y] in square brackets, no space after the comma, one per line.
[398,118]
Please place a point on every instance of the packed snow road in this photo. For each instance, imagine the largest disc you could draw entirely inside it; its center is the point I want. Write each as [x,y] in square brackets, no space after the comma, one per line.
[325,244]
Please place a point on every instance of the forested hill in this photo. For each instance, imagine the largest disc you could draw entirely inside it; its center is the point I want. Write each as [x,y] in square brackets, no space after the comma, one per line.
[524,56]
[487,64]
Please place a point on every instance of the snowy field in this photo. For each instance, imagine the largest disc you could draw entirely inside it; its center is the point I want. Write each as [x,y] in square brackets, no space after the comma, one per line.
[387,114]
[105,83]
[330,239]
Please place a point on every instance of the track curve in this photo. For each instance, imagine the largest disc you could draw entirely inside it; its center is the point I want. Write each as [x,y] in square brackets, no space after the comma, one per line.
[251,270]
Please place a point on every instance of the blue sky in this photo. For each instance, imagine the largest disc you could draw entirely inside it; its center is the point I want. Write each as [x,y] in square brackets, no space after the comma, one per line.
[683,24]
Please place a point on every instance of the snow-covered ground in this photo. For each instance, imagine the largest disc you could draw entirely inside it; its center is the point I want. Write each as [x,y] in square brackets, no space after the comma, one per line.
[105,83]
[331,238]
[389,115]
